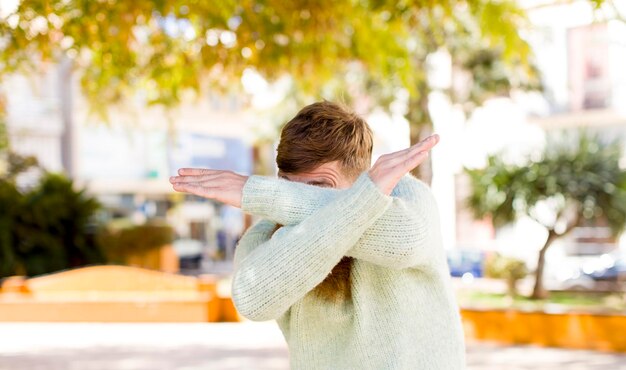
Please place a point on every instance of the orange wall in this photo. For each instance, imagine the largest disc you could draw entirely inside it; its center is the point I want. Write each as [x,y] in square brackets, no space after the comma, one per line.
[114,294]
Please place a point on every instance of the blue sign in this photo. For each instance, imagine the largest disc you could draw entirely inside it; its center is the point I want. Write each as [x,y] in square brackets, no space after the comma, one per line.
[204,151]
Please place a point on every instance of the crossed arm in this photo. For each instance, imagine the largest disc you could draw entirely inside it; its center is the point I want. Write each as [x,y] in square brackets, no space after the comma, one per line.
[399,238]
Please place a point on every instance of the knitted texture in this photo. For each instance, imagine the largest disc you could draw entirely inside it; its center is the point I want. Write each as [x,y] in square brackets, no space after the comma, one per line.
[401,312]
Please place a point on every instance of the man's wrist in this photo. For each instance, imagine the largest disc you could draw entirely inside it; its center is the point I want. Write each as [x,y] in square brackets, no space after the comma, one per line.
[258,195]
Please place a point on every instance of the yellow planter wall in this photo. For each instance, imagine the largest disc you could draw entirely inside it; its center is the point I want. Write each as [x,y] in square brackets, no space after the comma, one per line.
[568,330]
[111,294]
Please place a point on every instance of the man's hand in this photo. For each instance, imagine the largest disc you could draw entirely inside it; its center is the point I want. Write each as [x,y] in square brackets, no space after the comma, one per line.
[223,186]
[390,168]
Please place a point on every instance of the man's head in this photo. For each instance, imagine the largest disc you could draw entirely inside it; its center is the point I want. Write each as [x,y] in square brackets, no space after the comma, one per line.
[326,145]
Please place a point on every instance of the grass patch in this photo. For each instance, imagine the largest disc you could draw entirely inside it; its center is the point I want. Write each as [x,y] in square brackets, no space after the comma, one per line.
[610,302]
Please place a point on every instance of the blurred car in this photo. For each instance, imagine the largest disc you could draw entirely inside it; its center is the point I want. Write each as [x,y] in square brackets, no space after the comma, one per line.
[189,252]
[608,267]
[466,262]
[575,281]
[588,273]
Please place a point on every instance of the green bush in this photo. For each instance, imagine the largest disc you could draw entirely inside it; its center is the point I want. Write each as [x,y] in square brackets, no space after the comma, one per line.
[117,243]
[51,226]
[11,204]
[47,228]
[507,268]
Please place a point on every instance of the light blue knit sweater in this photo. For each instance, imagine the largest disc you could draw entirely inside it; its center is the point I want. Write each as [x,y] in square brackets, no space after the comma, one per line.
[401,313]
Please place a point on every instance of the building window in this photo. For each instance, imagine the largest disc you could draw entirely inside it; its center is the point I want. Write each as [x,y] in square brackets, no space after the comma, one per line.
[588,61]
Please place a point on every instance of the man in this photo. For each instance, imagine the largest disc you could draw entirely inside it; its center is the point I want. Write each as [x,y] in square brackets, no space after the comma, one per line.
[348,259]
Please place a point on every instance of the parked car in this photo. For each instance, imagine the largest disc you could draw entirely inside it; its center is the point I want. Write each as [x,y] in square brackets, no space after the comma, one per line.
[576,281]
[587,273]
[565,273]
[189,252]
[609,267]
[466,262]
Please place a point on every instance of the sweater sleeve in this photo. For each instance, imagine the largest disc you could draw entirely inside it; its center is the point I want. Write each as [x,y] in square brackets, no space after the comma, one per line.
[402,237]
[282,270]
[256,235]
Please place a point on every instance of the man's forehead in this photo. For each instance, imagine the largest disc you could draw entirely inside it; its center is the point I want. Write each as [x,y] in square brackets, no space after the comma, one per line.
[324,170]
[329,175]
[324,175]
[307,177]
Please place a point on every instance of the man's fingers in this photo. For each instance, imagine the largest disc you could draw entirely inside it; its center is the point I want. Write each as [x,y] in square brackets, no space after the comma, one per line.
[194,178]
[415,160]
[423,145]
[196,171]
[194,189]
[389,168]
[426,144]
[223,186]
[407,155]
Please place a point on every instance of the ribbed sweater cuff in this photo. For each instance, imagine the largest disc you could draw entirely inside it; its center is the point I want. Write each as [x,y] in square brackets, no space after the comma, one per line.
[259,195]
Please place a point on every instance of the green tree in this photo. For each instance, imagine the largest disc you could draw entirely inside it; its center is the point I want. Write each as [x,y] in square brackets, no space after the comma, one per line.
[164,48]
[578,181]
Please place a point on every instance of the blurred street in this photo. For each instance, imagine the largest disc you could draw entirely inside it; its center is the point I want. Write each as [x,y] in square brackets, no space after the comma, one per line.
[223,346]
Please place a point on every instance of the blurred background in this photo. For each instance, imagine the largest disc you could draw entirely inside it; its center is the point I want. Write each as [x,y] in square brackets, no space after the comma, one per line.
[103,266]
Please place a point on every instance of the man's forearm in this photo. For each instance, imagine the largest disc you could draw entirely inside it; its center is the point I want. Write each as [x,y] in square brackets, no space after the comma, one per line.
[256,235]
[399,238]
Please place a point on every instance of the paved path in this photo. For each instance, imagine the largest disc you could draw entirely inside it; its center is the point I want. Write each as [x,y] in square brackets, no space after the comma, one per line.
[248,346]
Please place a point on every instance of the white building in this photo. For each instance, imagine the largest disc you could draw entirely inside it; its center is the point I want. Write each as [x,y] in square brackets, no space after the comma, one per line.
[582,62]
[127,160]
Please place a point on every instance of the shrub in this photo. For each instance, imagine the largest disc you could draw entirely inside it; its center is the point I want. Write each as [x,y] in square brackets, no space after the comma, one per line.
[118,243]
[47,228]
[507,268]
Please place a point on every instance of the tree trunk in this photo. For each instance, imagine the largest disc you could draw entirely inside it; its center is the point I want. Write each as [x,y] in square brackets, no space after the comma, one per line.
[68,149]
[421,126]
[425,170]
[538,290]
[511,285]
[4,130]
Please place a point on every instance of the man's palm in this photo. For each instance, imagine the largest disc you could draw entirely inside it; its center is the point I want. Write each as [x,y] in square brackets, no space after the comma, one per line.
[223,186]
[390,168]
